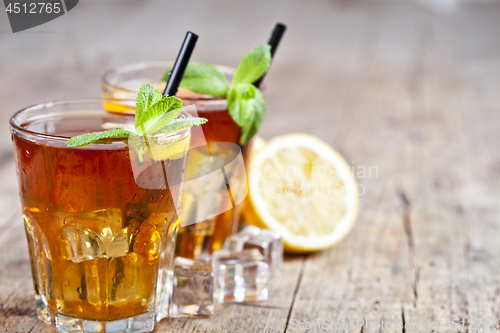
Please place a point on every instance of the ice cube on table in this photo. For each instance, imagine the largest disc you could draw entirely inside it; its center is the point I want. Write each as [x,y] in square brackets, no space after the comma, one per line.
[268,242]
[193,288]
[240,276]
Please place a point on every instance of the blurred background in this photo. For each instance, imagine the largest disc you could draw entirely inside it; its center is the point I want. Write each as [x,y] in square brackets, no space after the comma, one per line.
[335,55]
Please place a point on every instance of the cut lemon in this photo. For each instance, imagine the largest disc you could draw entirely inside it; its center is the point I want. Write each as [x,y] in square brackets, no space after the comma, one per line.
[302,187]
[258,143]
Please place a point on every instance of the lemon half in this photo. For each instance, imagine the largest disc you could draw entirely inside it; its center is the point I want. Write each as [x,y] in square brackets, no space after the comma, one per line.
[305,189]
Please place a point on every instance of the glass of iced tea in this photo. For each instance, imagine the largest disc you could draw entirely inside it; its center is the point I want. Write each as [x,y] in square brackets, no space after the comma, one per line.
[100,219]
[215,177]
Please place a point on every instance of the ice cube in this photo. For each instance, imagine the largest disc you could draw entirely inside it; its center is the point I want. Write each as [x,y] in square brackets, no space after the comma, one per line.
[80,243]
[193,288]
[240,276]
[268,242]
[95,234]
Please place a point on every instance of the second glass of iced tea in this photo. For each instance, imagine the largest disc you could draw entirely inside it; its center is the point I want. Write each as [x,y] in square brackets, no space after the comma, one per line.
[215,176]
[100,219]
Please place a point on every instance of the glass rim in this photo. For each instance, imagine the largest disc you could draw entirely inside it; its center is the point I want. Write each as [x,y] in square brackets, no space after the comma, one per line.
[15,127]
[153,64]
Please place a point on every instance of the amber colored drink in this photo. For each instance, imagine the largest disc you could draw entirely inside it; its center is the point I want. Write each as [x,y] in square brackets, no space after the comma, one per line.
[204,236]
[99,237]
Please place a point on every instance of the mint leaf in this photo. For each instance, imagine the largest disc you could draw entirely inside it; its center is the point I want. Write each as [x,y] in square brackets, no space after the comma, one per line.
[247,107]
[154,113]
[178,124]
[145,99]
[158,115]
[253,65]
[85,139]
[203,79]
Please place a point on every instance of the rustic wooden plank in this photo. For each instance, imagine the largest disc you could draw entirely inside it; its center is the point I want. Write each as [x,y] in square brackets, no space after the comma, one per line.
[410,90]
[267,316]
[374,280]
[427,184]
[427,130]
[480,179]
[17,310]
[452,194]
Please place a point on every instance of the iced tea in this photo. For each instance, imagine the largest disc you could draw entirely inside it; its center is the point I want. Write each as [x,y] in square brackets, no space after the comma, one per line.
[218,140]
[222,136]
[100,237]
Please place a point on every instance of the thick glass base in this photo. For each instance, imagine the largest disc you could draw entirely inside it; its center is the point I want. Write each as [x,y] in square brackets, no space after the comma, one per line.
[141,323]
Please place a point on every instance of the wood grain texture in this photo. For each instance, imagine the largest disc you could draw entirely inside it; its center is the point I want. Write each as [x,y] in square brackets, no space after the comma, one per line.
[406,92]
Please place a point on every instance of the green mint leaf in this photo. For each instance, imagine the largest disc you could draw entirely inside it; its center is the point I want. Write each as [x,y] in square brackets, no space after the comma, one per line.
[181,123]
[145,99]
[247,108]
[253,65]
[154,113]
[203,79]
[85,139]
[158,115]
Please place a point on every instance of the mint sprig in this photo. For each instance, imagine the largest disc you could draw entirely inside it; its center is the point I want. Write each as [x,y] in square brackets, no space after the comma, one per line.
[253,65]
[150,118]
[204,79]
[85,139]
[154,113]
[178,124]
[246,104]
[145,99]
[247,108]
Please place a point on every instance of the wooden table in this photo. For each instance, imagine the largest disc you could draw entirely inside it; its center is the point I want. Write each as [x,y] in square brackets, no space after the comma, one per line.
[411,91]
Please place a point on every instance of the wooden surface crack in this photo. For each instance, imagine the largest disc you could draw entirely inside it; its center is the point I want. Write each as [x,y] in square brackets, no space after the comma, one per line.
[299,280]
[411,243]
[257,305]
[403,319]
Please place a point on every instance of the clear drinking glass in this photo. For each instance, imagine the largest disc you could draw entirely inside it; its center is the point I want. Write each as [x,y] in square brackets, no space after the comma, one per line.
[100,219]
[216,181]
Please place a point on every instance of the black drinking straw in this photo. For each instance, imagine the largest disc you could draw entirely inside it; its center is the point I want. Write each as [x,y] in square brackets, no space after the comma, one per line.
[180,64]
[278,32]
